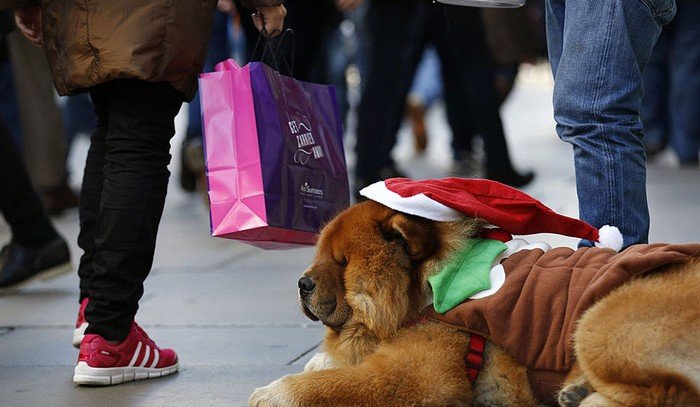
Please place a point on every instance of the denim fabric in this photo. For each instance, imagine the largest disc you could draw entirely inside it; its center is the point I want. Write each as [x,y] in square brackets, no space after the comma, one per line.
[598,50]
[671,105]
[427,85]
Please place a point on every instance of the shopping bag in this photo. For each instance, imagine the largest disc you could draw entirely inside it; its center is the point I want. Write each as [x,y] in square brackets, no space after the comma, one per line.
[275,162]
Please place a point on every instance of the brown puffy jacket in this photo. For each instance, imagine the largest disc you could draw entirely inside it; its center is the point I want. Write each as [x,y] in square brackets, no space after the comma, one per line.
[95,41]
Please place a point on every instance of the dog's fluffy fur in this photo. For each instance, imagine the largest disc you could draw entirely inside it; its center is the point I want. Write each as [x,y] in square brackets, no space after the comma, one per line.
[639,346]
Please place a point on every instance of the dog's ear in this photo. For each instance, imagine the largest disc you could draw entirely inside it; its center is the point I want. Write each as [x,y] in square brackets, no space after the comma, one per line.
[419,235]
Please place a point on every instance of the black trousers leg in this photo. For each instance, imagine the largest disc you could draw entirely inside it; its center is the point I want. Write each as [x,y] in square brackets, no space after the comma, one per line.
[91,191]
[19,203]
[396,40]
[459,39]
[137,143]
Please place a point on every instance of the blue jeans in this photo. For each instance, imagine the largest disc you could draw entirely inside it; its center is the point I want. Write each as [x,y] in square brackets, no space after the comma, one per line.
[598,50]
[427,84]
[671,106]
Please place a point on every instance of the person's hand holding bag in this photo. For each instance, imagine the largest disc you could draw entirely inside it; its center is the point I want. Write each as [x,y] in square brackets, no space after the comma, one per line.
[271,19]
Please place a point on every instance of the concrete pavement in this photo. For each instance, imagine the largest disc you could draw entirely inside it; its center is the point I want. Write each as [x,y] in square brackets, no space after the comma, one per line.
[230,309]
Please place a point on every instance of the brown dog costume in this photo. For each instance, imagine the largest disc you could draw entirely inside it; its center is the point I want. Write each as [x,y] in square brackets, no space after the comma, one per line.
[533,315]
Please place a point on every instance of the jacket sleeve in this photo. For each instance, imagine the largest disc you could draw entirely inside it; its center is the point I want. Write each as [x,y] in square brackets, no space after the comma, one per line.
[252,4]
[10,4]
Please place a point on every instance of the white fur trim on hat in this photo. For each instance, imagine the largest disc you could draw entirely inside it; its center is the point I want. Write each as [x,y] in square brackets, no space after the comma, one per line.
[418,205]
[610,237]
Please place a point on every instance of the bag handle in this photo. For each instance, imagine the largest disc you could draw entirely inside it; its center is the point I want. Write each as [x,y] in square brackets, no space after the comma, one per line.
[275,52]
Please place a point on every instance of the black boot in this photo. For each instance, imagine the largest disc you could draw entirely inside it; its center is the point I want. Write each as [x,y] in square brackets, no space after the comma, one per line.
[20,265]
[511,177]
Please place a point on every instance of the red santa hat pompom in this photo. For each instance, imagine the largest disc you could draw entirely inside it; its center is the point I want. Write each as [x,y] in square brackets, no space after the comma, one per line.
[509,209]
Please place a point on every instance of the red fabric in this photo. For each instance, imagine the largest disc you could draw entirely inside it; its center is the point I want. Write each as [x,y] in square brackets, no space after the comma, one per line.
[503,206]
[496,234]
[81,312]
[475,356]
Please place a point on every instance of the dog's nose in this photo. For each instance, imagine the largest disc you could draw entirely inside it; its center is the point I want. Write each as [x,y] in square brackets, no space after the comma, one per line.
[306,284]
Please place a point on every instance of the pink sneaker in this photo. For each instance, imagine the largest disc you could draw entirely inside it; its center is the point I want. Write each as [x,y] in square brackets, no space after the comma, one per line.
[138,357]
[81,324]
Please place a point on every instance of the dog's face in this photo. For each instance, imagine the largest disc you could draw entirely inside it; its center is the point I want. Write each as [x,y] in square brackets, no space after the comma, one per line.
[370,269]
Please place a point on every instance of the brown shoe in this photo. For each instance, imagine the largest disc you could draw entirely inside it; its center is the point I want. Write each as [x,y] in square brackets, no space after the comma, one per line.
[415,111]
[59,199]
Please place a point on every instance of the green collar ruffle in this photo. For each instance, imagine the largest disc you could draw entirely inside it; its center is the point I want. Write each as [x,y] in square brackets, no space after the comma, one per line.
[466,274]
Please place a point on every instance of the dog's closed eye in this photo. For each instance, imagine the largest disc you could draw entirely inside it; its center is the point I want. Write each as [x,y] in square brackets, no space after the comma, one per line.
[340,259]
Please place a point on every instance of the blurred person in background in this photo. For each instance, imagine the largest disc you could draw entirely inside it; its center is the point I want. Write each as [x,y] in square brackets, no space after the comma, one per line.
[36,251]
[598,50]
[425,91]
[671,105]
[396,50]
[137,80]
[9,111]
[45,146]
[192,175]
[515,36]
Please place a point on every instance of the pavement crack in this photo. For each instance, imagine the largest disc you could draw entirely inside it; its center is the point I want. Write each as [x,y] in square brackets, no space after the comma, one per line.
[306,352]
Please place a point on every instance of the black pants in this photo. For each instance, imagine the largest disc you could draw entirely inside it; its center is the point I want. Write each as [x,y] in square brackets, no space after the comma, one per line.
[398,33]
[122,198]
[19,203]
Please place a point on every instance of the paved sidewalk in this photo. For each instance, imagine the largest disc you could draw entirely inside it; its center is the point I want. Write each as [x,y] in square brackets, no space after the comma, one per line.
[230,309]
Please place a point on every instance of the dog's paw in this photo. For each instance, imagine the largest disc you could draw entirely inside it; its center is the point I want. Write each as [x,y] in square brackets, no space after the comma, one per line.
[274,394]
[320,361]
[573,394]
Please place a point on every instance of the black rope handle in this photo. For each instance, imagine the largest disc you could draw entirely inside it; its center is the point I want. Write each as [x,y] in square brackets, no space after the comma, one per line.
[284,35]
[275,53]
[266,47]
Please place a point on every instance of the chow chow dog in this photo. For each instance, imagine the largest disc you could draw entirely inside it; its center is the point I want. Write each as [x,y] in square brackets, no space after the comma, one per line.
[637,346]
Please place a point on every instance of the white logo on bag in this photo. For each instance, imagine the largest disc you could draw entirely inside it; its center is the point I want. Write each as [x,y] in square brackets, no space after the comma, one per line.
[302,156]
[305,139]
[306,189]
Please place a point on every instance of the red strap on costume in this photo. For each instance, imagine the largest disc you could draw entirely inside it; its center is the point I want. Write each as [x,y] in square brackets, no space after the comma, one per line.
[496,234]
[475,356]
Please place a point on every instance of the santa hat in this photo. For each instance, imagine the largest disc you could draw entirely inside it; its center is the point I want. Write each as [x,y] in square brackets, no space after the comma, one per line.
[506,208]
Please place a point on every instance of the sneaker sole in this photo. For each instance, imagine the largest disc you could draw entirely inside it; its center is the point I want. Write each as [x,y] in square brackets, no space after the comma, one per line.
[78,334]
[45,275]
[93,376]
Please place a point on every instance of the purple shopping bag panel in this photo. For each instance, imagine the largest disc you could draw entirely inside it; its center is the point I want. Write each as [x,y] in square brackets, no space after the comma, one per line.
[300,139]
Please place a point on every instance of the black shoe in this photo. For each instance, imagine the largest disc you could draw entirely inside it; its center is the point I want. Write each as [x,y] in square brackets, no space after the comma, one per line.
[390,172]
[511,177]
[20,265]
[384,174]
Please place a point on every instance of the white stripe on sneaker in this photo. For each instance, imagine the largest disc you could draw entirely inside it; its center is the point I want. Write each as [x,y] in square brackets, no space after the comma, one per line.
[136,355]
[156,355]
[145,356]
